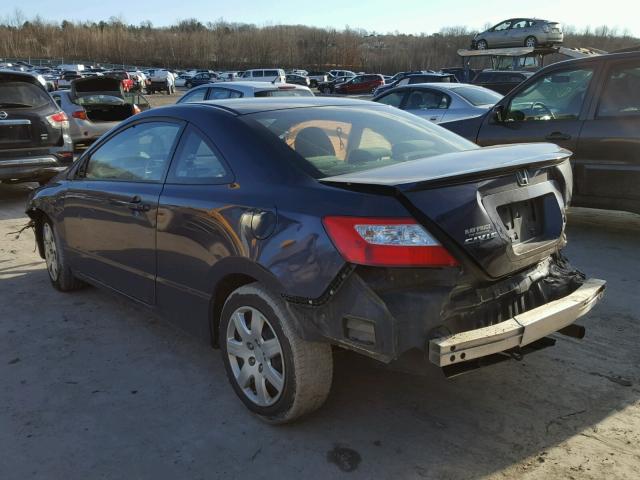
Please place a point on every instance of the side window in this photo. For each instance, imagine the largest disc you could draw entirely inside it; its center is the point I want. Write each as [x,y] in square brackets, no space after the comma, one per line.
[58,100]
[197,162]
[194,96]
[139,153]
[427,100]
[394,99]
[502,26]
[218,93]
[257,73]
[558,95]
[621,94]
[235,94]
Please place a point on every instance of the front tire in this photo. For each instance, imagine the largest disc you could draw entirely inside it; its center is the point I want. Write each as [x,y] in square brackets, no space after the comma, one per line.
[531,42]
[57,267]
[482,45]
[278,376]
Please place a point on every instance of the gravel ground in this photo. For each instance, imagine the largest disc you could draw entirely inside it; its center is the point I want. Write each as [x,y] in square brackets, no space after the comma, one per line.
[92,386]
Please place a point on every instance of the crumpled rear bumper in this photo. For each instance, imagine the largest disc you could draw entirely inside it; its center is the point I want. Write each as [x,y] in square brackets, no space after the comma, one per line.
[518,331]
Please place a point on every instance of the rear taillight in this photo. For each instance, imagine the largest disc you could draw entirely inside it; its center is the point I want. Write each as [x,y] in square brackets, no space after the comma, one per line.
[81,114]
[388,242]
[58,120]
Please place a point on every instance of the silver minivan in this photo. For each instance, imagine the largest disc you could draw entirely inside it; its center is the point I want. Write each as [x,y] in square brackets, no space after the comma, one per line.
[265,75]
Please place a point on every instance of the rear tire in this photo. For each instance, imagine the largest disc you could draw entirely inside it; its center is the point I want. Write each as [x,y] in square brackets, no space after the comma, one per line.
[278,376]
[57,267]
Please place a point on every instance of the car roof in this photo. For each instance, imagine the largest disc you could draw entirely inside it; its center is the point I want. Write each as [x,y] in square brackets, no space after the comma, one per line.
[249,86]
[245,106]
[26,76]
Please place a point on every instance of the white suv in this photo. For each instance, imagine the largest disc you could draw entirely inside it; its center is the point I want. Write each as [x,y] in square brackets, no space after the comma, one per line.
[265,75]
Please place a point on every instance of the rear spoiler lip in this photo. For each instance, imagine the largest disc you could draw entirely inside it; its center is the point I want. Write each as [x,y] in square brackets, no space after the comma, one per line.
[381,179]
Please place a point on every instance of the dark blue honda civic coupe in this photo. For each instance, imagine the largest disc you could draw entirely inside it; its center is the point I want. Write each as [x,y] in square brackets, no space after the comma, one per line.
[278,229]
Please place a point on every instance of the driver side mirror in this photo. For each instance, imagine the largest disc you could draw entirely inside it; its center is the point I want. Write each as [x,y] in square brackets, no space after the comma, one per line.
[499,114]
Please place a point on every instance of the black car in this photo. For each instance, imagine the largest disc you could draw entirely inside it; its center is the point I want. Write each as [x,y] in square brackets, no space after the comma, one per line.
[413,78]
[501,81]
[590,106]
[35,143]
[277,228]
[330,85]
[298,79]
[201,78]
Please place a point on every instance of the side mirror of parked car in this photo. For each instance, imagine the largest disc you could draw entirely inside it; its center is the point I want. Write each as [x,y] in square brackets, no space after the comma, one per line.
[498,113]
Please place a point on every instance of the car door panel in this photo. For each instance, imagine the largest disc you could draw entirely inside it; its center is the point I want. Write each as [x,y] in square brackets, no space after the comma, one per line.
[110,229]
[111,208]
[607,164]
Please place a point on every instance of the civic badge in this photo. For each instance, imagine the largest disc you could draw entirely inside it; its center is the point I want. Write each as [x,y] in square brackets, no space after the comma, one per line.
[522,177]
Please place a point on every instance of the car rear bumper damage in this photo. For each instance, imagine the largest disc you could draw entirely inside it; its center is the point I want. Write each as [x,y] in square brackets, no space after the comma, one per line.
[386,313]
[519,331]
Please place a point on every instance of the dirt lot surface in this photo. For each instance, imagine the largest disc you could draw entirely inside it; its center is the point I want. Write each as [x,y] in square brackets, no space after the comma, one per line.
[92,386]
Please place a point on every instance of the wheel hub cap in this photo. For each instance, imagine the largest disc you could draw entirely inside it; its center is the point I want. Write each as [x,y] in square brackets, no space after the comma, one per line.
[255,356]
[50,252]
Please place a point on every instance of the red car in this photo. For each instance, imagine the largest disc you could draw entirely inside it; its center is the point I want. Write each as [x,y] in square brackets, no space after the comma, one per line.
[124,77]
[361,84]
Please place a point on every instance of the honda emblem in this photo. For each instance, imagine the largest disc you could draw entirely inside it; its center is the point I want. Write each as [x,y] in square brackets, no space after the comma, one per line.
[3,115]
[522,177]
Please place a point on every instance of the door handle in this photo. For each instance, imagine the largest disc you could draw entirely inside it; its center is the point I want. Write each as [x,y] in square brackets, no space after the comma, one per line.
[135,204]
[558,136]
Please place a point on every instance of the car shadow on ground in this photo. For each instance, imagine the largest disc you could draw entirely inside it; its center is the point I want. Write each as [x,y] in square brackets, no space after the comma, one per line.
[111,387]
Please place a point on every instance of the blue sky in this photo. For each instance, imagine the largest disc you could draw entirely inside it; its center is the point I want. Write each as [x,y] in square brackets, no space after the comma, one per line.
[382,16]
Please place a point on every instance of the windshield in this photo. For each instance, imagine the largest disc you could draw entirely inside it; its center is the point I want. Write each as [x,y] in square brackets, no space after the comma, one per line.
[478,96]
[339,140]
[22,95]
[289,92]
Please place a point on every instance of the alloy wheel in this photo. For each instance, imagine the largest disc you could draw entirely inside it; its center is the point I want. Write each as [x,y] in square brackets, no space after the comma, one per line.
[255,356]
[50,251]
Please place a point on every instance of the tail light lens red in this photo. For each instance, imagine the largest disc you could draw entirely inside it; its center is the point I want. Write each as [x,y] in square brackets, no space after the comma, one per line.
[386,242]
[58,120]
[81,114]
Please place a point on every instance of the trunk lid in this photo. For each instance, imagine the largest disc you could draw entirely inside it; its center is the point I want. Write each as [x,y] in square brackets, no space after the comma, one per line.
[497,208]
[93,85]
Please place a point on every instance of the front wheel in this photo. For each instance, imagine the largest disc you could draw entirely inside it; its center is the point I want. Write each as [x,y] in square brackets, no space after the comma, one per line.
[59,272]
[531,42]
[482,45]
[277,375]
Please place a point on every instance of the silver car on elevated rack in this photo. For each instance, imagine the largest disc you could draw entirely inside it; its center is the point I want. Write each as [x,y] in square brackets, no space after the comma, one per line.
[519,32]
[224,90]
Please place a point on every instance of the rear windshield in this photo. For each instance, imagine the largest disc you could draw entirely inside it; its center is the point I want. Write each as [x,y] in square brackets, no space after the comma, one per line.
[478,96]
[118,75]
[288,92]
[338,140]
[22,95]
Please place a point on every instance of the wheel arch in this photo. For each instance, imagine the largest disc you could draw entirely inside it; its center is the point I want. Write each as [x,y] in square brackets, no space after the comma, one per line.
[38,217]
[230,274]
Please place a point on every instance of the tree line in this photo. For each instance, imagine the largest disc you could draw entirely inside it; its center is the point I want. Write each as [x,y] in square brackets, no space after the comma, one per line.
[223,45]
